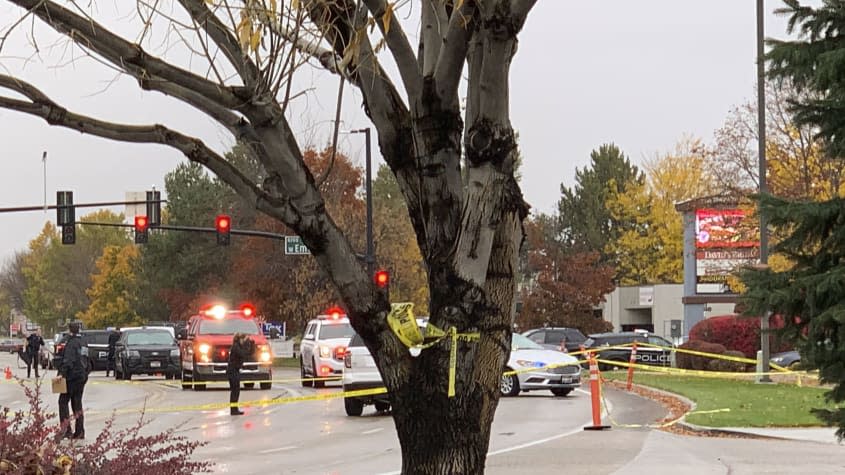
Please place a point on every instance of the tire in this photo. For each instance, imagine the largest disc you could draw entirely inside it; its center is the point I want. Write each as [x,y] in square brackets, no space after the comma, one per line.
[382,406]
[354,407]
[794,366]
[318,383]
[266,385]
[305,384]
[561,392]
[249,385]
[509,385]
[127,375]
[185,381]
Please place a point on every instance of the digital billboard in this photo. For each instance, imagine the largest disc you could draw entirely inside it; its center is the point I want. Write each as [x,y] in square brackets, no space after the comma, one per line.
[725,240]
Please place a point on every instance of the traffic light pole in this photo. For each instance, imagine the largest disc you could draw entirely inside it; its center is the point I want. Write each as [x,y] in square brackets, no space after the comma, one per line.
[195,229]
[368,187]
[77,205]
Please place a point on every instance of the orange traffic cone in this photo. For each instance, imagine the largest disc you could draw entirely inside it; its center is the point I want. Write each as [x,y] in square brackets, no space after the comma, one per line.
[595,395]
[631,362]
[8,372]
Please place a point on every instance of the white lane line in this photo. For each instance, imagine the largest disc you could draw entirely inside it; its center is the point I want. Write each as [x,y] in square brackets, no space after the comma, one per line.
[372,431]
[279,449]
[522,446]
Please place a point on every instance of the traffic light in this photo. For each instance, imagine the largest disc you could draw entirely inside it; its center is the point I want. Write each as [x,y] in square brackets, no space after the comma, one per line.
[141,229]
[223,224]
[382,280]
[154,208]
[66,216]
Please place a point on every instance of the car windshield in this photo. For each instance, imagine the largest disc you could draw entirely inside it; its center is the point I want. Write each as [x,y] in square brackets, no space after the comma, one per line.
[150,338]
[228,326]
[519,342]
[335,330]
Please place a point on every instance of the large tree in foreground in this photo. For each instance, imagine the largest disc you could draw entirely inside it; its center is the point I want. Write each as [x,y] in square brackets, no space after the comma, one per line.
[468,234]
[811,294]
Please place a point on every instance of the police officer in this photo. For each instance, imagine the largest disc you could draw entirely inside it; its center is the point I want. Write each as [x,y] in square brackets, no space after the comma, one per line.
[114,336]
[243,349]
[34,343]
[74,368]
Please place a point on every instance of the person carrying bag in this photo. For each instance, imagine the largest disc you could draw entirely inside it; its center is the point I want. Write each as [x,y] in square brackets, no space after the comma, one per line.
[243,349]
[74,369]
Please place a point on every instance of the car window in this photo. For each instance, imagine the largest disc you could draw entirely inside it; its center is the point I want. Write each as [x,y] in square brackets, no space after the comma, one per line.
[553,337]
[309,329]
[228,326]
[356,340]
[573,334]
[335,330]
[97,338]
[149,338]
[656,340]
[519,342]
[537,337]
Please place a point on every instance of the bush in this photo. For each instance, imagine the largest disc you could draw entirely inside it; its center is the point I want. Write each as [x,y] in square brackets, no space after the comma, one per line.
[730,366]
[737,333]
[28,445]
[688,361]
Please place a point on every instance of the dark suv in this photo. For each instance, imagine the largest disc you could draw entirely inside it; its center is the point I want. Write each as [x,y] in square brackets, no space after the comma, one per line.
[95,342]
[551,337]
[146,351]
[645,355]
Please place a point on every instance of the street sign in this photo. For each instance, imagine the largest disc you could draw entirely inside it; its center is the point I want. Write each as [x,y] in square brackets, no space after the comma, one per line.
[295,246]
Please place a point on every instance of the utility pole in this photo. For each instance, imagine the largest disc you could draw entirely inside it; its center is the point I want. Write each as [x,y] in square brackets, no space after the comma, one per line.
[44,162]
[761,154]
[368,188]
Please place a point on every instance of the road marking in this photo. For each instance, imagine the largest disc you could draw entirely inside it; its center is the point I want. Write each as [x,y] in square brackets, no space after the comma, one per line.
[372,431]
[279,449]
[522,446]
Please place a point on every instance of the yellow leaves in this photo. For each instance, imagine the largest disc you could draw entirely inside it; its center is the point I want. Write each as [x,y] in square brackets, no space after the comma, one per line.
[294,4]
[274,8]
[387,17]
[244,30]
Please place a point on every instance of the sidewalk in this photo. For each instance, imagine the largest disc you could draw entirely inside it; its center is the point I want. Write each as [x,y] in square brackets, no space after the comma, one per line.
[824,435]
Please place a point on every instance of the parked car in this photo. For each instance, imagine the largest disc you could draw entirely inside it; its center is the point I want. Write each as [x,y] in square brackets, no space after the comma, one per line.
[147,351]
[323,346]
[95,344]
[555,371]
[11,345]
[551,337]
[787,359]
[645,355]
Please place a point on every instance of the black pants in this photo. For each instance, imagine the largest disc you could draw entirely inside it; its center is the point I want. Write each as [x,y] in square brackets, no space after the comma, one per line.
[234,388]
[31,360]
[74,396]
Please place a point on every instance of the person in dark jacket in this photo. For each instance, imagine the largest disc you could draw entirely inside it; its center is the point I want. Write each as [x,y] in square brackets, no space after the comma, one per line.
[74,368]
[113,337]
[34,343]
[243,349]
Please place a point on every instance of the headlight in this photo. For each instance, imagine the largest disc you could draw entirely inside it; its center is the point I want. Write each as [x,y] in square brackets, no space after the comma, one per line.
[325,351]
[174,353]
[204,348]
[265,356]
[530,364]
[133,354]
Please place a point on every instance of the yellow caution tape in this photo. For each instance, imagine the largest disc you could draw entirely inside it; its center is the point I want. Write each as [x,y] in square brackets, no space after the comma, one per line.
[403,323]
[691,372]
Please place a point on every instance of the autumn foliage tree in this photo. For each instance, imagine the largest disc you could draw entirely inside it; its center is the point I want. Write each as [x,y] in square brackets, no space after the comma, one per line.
[114,291]
[562,289]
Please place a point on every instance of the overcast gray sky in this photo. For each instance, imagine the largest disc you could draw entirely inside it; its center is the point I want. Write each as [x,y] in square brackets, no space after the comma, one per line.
[640,74]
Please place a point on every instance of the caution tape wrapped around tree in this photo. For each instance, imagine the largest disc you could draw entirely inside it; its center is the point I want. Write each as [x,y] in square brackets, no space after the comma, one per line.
[404,324]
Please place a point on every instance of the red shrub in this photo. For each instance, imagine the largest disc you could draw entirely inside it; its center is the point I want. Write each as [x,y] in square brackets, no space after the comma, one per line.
[737,333]
[688,361]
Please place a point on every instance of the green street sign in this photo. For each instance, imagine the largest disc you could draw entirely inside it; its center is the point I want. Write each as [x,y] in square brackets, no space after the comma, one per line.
[295,246]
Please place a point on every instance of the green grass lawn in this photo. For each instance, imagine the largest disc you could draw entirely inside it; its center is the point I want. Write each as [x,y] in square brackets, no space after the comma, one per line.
[750,404]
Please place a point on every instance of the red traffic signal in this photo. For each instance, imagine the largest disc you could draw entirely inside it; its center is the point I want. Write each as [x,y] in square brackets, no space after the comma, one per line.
[141,223]
[382,278]
[223,224]
[141,229]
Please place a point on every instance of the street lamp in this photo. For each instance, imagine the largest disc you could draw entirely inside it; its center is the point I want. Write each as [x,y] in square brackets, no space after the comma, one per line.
[761,154]
[368,189]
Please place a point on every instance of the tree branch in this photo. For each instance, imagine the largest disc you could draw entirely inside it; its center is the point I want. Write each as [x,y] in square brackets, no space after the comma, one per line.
[453,54]
[434,28]
[224,39]
[126,56]
[399,45]
[194,149]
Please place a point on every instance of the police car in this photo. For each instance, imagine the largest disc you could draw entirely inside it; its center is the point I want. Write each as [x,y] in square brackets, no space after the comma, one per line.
[645,354]
[323,347]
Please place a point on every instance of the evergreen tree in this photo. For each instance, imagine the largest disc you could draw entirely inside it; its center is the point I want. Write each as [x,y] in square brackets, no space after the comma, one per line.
[585,223]
[814,64]
[810,296]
